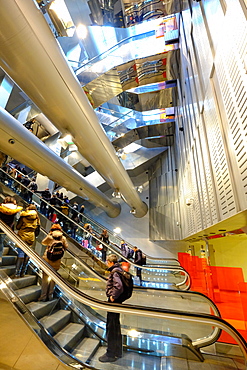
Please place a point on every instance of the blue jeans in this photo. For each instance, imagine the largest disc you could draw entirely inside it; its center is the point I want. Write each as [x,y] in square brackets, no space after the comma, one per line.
[2,237]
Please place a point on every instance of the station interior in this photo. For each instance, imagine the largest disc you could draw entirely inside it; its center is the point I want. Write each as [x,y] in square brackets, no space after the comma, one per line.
[136,111]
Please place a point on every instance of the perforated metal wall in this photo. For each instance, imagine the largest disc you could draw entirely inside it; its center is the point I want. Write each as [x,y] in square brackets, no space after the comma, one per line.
[211,119]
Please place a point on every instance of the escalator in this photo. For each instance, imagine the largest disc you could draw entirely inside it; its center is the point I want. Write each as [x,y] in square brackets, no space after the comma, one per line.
[72,325]
[159,276]
[15,185]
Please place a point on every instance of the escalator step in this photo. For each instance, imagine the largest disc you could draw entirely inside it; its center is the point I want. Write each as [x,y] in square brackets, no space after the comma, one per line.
[8,260]
[25,281]
[69,336]
[55,322]
[5,251]
[86,349]
[41,309]
[8,270]
[30,293]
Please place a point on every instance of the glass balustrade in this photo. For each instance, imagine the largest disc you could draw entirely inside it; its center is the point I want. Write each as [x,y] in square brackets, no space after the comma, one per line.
[151,332]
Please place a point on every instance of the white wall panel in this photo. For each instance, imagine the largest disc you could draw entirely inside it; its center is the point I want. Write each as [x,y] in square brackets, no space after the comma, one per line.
[220,166]
[230,66]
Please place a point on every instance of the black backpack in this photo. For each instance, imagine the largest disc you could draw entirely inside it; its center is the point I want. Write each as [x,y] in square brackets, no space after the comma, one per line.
[127,282]
[56,251]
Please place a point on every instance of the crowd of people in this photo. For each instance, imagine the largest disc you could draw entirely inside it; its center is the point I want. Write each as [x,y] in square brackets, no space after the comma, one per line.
[50,202]
[28,226]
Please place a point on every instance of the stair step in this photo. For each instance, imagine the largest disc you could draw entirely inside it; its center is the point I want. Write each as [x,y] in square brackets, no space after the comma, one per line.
[25,281]
[69,336]
[86,349]
[30,293]
[8,260]
[9,270]
[5,251]
[55,322]
[41,309]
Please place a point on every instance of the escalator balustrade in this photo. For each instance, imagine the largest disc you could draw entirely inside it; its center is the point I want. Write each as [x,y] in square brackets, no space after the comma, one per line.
[152,276]
[73,324]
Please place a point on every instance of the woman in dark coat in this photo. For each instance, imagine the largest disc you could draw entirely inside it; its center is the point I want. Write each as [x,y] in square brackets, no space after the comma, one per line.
[104,236]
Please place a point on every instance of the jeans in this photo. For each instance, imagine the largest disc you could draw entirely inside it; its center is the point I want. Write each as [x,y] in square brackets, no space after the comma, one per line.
[139,274]
[2,237]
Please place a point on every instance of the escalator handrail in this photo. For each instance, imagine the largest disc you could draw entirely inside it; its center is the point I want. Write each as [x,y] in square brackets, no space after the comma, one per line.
[104,279]
[205,319]
[111,245]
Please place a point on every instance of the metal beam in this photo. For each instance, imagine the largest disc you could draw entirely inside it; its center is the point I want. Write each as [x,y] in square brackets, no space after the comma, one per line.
[21,144]
[32,57]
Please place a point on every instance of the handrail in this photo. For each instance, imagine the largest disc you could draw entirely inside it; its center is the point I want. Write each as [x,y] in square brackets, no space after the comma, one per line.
[81,297]
[116,46]
[90,221]
[110,246]
[186,292]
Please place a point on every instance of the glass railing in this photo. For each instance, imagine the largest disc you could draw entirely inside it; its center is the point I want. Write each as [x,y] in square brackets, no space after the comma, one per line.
[76,230]
[77,272]
[150,332]
[112,50]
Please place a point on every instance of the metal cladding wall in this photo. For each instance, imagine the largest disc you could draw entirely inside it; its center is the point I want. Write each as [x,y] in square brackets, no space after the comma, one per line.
[212,110]
[22,145]
[32,57]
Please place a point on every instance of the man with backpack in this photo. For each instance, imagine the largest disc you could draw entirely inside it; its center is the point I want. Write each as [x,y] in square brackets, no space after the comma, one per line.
[56,245]
[119,288]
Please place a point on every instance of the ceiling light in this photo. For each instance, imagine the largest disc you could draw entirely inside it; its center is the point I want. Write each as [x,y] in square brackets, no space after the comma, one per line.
[140,189]
[116,194]
[117,230]
[133,211]
[81,31]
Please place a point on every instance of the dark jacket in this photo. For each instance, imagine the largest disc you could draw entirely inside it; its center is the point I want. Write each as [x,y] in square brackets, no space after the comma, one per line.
[138,257]
[124,250]
[45,194]
[114,285]
[8,212]
[105,239]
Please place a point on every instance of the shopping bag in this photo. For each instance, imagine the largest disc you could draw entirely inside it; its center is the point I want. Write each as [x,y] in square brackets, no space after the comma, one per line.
[84,243]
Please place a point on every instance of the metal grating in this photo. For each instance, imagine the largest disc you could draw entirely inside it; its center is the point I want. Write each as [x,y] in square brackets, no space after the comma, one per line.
[231,66]
[224,190]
